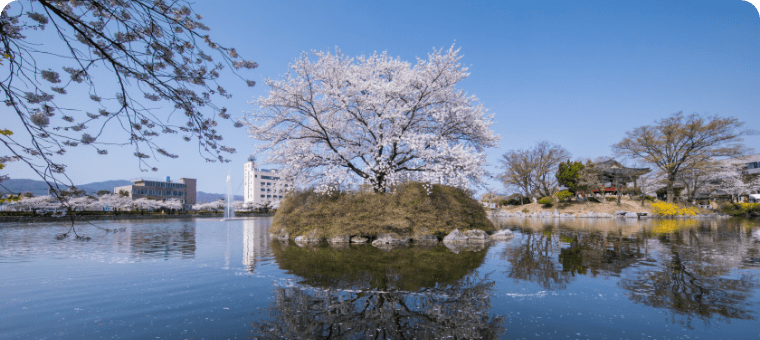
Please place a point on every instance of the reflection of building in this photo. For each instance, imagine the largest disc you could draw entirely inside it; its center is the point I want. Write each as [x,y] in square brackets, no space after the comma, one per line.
[262,185]
[255,241]
[184,191]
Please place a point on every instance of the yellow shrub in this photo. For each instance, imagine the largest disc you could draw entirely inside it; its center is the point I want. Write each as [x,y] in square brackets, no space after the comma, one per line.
[667,209]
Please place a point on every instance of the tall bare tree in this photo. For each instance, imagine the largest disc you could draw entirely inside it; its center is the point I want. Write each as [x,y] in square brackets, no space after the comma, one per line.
[675,142]
[533,170]
[152,51]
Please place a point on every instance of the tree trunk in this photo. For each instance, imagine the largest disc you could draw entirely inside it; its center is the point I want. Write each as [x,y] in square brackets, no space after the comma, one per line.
[670,192]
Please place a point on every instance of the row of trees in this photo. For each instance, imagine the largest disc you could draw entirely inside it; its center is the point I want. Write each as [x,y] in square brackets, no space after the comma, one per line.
[94,203]
[684,150]
[123,202]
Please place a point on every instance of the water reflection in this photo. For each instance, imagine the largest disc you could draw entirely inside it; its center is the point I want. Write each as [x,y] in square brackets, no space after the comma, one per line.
[138,240]
[455,311]
[365,292]
[693,268]
[255,242]
[163,240]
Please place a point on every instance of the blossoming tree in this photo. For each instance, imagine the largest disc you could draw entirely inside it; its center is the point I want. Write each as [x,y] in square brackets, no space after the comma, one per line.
[340,122]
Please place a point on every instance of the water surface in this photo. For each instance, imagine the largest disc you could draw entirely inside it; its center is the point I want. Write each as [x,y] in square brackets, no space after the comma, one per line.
[195,279]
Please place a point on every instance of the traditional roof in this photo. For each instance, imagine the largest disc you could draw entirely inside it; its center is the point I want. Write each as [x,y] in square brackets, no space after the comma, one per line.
[612,170]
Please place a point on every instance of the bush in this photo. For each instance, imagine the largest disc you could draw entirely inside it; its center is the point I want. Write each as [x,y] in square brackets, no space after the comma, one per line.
[516,201]
[593,199]
[610,198]
[525,211]
[740,209]
[648,198]
[546,201]
[407,210]
[564,195]
[667,209]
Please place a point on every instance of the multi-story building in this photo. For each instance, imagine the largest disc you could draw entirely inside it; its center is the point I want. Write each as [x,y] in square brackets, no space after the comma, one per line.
[751,164]
[261,185]
[184,191]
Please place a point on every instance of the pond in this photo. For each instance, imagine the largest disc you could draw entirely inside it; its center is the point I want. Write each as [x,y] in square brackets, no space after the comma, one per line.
[209,279]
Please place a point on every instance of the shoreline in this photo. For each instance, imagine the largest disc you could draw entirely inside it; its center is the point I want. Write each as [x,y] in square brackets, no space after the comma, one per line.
[37,219]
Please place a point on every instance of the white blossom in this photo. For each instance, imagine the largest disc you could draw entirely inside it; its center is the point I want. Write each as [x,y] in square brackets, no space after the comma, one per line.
[375,120]
[40,119]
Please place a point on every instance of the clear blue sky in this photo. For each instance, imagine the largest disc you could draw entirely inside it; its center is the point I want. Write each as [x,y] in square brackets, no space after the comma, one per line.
[575,73]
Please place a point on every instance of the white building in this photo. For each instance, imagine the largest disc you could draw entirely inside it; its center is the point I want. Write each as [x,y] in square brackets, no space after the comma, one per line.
[263,185]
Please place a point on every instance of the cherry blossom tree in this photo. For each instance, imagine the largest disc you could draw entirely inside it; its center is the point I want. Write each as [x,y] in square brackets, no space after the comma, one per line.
[216,205]
[728,178]
[341,122]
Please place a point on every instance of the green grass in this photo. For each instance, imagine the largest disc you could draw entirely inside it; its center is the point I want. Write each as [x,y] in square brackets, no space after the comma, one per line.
[406,211]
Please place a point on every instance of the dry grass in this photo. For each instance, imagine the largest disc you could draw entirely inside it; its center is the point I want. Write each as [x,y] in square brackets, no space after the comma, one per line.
[581,207]
[407,211]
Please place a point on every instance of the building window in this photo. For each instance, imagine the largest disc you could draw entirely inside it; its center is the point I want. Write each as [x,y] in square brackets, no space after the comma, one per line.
[269,196]
[262,196]
[262,189]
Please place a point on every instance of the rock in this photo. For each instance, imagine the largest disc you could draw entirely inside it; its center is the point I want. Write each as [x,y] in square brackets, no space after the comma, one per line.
[641,213]
[359,239]
[476,236]
[280,235]
[631,215]
[503,235]
[566,216]
[390,238]
[338,239]
[455,236]
[621,212]
[455,248]
[606,215]
[312,236]
[301,241]
[423,236]
[556,213]
[424,239]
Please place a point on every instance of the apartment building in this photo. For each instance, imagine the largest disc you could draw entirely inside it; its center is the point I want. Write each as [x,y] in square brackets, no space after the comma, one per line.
[184,190]
[261,185]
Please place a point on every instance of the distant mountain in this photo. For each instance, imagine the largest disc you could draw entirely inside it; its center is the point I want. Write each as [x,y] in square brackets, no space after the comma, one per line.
[40,188]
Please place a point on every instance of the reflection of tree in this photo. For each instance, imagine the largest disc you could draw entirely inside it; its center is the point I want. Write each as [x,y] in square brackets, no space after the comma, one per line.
[533,260]
[539,255]
[691,278]
[598,253]
[455,311]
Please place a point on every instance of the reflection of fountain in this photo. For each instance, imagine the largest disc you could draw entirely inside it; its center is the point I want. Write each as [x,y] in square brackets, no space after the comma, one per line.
[229,209]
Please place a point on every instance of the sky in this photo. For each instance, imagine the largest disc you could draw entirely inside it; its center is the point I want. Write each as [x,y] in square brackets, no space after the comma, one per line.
[574,73]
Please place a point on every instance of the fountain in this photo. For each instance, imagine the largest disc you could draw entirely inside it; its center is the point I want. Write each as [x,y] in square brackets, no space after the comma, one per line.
[229,209]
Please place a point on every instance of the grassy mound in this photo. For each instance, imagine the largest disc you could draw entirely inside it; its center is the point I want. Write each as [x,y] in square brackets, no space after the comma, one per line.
[407,211]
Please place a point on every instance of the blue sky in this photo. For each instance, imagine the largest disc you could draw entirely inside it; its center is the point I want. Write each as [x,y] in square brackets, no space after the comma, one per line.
[574,73]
